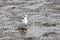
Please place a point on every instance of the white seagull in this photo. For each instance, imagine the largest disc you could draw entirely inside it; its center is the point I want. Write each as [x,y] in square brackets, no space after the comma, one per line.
[22,24]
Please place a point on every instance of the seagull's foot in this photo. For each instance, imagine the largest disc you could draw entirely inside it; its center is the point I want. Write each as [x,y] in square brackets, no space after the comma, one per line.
[23,29]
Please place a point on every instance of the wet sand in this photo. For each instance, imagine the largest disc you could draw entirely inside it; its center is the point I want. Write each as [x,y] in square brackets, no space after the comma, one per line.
[44,19]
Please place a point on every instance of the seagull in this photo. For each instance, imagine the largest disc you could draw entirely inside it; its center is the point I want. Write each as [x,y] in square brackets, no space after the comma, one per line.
[22,24]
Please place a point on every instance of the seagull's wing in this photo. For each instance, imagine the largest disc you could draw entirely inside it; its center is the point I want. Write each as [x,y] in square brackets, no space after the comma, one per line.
[20,19]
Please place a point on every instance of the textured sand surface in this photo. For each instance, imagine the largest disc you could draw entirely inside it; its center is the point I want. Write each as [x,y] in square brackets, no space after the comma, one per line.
[44,19]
